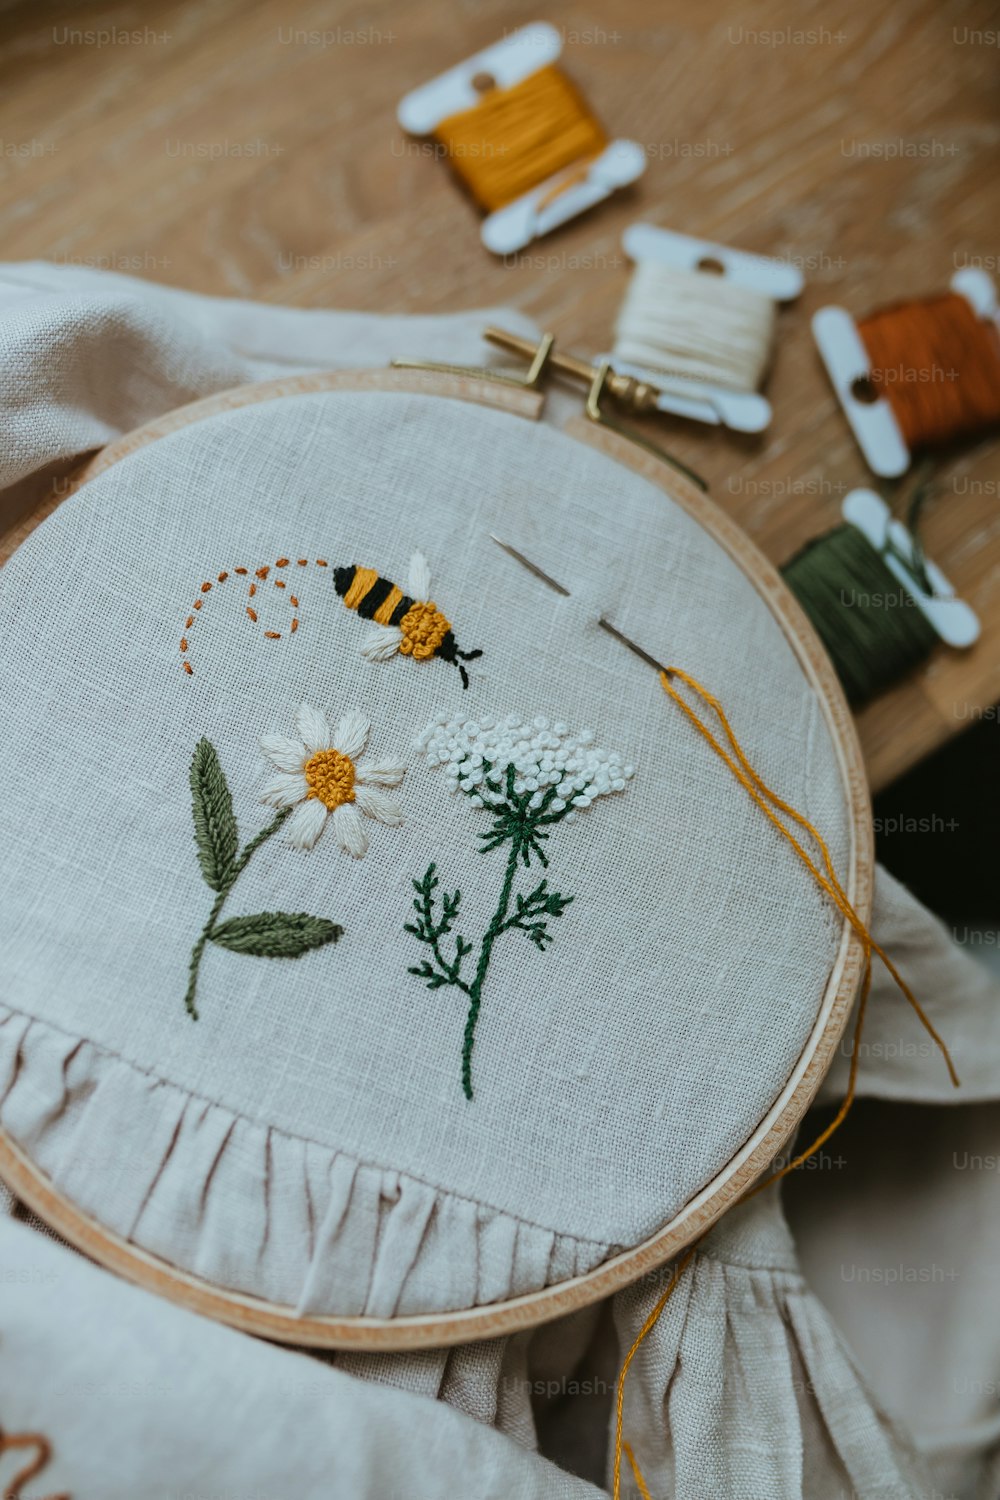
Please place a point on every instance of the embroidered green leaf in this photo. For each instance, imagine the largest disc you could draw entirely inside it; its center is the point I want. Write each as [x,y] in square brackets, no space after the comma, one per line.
[275,934]
[215,831]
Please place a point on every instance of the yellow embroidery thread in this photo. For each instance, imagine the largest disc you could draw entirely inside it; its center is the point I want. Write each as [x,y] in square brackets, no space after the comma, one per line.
[770,804]
[330,778]
[424,628]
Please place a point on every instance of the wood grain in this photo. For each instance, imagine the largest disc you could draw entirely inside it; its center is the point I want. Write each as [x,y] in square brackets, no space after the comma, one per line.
[251,149]
[272,1320]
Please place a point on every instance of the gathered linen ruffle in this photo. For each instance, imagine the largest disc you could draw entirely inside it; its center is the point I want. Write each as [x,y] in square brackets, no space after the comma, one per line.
[745,1390]
[326,1233]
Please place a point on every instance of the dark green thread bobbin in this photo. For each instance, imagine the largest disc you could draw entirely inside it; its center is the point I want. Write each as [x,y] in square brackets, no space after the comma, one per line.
[868,621]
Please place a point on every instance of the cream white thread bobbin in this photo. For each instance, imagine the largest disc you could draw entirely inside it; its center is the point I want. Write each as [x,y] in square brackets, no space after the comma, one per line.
[705,339]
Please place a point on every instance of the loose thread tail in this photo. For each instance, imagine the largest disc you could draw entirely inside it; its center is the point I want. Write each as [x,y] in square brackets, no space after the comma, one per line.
[637,1472]
[762,794]
[649,1324]
[768,800]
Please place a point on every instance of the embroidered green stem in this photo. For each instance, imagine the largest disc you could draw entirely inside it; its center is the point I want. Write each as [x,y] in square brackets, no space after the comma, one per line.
[208,931]
[263,934]
[493,931]
[521,826]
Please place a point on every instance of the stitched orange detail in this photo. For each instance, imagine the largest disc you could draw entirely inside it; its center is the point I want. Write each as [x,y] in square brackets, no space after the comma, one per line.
[9,1441]
[241,572]
[330,777]
[424,627]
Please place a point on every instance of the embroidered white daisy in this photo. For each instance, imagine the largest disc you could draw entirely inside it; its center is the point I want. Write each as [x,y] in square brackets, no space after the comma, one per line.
[321,777]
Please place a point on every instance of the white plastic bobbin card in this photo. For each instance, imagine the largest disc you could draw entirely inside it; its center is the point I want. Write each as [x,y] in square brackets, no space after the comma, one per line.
[545,207]
[870,415]
[955,621]
[777,279]
[741,411]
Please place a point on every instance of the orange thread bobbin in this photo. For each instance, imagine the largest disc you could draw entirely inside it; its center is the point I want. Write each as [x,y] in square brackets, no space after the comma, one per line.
[518,137]
[937,363]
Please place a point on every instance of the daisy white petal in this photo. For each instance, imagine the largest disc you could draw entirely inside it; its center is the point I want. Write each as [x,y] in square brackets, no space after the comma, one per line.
[352,734]
[285,789]
[379,772]
[378,805]
[285,753]
[306,824]
[382,642]
[314,729]
[349,830]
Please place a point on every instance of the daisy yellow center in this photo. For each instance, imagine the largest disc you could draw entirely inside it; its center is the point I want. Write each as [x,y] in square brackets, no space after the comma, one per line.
[424,627]
[330,778]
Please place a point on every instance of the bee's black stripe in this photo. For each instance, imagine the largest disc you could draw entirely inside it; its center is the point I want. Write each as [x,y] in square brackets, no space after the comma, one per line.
[402,608]
[376,595]
[343,578]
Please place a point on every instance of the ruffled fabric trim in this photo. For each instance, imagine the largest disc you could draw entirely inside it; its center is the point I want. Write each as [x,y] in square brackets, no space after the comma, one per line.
[250,1209]
[744,1389]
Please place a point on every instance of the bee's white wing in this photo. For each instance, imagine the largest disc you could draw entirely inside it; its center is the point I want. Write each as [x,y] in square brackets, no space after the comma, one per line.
[382,642]
[420,577]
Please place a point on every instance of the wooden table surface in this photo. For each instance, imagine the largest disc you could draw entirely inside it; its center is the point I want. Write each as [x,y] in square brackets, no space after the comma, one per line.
[251,149]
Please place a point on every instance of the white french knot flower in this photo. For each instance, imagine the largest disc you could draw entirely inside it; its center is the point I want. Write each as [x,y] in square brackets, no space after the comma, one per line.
[321,777]
[544,755]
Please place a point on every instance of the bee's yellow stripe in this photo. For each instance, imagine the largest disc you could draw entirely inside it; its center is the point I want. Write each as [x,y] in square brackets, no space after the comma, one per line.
[383,614]
[360,584]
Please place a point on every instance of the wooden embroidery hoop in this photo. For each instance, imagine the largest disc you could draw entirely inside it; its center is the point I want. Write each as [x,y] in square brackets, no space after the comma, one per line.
[275,1321]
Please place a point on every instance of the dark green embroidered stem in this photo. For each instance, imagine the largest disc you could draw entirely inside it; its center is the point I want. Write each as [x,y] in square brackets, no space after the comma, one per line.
[521,826]
[232,874]
[475,992]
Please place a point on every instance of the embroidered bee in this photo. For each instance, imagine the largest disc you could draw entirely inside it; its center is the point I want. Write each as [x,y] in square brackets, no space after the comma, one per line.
[410,623]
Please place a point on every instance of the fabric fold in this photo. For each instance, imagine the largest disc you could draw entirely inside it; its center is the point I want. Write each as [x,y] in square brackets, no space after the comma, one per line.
[198,1409]
[323,1232]
[897,1059]
[102,353]
[745,1390]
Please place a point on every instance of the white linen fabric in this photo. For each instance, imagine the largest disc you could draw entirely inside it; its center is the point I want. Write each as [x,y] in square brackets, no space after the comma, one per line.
[136,1397]
[308,1140]
[85,356]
